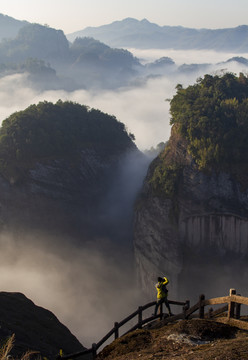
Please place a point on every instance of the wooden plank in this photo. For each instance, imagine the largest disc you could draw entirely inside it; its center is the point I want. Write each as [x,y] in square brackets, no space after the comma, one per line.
[217,301]
[105,338]
[192,309]
[233,322]
[219,311]
[226,299]
[130,317]
[147,306]
[180,303]
[239,299]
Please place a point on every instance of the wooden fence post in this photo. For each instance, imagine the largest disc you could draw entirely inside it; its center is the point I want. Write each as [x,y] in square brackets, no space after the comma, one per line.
[231,305]
[201,306]
[116,330]
[93,351]
[140,317]
[237,309]
[185,308]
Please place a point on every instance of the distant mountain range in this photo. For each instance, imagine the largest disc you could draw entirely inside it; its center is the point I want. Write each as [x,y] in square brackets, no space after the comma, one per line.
[48,60]
[51,61]
[146,35]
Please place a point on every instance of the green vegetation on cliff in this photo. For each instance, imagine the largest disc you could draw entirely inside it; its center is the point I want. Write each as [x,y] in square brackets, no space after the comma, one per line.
[212,116]
[51,131]
[210,122]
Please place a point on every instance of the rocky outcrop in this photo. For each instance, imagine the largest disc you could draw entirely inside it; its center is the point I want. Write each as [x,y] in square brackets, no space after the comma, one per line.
[197,236]
[35,328]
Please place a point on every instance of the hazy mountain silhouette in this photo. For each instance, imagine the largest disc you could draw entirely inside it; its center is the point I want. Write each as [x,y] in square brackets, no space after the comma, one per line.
[51,61]
[9,26]
[143,34]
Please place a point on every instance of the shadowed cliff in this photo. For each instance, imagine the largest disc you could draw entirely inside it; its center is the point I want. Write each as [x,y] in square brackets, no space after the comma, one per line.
[62,168]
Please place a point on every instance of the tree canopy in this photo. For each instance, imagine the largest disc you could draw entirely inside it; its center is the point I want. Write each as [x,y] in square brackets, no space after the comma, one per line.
[213,116]
[46,131]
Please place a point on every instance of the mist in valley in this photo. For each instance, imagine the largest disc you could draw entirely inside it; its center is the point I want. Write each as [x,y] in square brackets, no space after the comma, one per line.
[91,285]
[87,287]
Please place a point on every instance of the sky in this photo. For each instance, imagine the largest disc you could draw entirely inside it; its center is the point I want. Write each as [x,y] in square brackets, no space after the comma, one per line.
[74,15]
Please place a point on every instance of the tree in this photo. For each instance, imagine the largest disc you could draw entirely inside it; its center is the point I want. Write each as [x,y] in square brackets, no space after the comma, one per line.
[50,131]
[212,116]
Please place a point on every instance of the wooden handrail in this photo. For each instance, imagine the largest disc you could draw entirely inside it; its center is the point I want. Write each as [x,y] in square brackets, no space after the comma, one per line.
[232,302]
[140,323]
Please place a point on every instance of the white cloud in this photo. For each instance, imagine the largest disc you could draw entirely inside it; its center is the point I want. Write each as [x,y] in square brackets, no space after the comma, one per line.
[142,108]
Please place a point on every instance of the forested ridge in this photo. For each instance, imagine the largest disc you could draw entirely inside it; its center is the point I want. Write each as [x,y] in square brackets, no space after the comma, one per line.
[212,118]
[51,131]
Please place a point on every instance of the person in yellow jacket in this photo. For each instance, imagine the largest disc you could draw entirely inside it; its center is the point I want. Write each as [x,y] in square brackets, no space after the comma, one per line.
[162,293]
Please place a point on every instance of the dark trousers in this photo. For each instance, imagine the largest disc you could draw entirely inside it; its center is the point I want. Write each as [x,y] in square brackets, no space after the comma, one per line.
[161,301]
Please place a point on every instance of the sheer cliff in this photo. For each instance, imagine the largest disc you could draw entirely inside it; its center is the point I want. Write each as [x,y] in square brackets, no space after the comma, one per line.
[191,220]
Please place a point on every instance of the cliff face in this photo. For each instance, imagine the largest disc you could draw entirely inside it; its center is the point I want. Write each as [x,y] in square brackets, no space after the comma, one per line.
[69,199]
[198,236]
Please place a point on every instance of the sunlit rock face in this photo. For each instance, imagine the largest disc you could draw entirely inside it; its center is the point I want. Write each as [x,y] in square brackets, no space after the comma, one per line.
[199,237]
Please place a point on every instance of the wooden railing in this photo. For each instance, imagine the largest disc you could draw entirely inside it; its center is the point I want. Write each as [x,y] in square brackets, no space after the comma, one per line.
[232,309]
[141,321]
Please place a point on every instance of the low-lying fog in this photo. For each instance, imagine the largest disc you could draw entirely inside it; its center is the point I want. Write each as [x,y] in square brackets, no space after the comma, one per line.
[91,287]
[142,108]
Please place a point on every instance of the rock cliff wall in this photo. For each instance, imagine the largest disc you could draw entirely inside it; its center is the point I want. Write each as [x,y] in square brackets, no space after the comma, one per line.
[74,200]
[198,236]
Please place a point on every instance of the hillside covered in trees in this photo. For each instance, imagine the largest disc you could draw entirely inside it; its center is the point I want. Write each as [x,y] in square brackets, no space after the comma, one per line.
[48,131]
[211,116]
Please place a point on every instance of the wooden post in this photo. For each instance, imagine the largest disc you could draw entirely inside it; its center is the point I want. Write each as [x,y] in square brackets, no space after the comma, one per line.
[185,308]
[237,309]
[116,330]
[231,305]
[201,306]
[140,317]
[94,351]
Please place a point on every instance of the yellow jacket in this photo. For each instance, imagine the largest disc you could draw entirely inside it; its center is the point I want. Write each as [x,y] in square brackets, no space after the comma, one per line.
[160,286]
